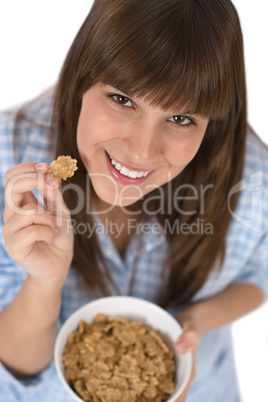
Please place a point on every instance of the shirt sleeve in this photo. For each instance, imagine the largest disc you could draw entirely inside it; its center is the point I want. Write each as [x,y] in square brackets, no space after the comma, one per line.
[44,385]
[25,390]
[12,277]
[249,237]
[255,271]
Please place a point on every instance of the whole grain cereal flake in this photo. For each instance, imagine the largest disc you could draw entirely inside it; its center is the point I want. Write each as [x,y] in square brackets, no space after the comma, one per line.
[63,167]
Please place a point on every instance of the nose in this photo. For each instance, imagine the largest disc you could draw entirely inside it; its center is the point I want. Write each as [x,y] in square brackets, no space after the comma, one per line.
[142,142]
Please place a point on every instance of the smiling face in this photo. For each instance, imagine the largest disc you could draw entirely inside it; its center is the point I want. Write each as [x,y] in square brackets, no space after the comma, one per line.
[130,147]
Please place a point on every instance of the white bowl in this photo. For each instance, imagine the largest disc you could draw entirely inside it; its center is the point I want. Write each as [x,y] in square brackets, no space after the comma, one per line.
[133,309]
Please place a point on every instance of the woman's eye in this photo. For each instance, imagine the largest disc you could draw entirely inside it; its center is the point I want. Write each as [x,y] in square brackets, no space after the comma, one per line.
[122,100]
[181,120]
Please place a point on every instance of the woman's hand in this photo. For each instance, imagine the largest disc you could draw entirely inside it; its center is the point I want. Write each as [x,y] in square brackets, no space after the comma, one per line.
[39,238]
[188,342]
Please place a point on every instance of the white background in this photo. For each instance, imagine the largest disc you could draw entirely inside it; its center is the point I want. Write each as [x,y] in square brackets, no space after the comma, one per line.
[34,39]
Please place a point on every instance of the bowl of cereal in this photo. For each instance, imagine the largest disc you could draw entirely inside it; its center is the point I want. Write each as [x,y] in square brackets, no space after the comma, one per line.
[121,349]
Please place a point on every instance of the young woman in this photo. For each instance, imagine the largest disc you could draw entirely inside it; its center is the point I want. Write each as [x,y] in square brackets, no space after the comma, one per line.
[168,203]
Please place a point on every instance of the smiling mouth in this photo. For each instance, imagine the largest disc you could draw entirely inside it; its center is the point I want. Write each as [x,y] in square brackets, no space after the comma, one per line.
[132,174]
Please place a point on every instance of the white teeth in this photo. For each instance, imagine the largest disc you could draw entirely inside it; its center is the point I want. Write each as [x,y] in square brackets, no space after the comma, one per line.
[125,171]
[133,174]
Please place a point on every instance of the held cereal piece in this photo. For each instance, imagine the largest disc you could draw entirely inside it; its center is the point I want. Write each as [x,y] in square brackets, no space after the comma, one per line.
[115,359]
[63,167]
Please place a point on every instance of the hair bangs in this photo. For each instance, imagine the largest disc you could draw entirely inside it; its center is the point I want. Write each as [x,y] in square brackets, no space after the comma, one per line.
[172,67]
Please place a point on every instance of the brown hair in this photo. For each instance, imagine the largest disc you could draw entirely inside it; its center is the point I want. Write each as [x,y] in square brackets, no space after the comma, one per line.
[172,53]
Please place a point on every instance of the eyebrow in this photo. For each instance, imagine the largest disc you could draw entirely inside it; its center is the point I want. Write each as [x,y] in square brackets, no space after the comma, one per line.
[187,112]
[120,90]
[183,112]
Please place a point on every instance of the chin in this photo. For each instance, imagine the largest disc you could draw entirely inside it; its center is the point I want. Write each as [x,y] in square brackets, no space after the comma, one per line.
[115,202]
[111,196]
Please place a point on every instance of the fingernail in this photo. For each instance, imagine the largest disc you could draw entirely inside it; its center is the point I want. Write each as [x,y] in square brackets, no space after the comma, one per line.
[52,181]
[182,346]
[56,230]
[39,166]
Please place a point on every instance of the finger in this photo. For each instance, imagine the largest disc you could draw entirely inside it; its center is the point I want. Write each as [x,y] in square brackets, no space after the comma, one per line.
[183,396]
[21,185]
[188,341]
[27,167]
[31,214]
[52,197]
[29,199]
[21,244]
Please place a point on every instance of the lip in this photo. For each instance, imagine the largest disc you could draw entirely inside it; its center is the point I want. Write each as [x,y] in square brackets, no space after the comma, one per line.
[130,167]
[121,178]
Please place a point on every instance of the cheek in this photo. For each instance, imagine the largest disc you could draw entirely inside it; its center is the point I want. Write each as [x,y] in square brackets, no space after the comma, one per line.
[96,126]
[180,152]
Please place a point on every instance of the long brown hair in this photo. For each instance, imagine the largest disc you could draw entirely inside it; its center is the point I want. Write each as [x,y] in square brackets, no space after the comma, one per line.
[172,53]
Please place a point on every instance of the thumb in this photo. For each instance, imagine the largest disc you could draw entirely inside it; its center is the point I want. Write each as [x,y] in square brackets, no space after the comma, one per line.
[52,196]
[56,206]
[188,340]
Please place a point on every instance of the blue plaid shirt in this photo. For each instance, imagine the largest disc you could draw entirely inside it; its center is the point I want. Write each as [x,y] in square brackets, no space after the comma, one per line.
[246,262]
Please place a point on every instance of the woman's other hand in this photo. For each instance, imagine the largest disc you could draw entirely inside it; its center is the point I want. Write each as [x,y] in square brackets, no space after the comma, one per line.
[188,342]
